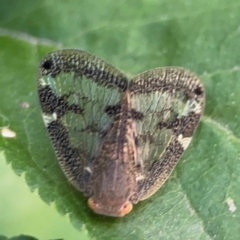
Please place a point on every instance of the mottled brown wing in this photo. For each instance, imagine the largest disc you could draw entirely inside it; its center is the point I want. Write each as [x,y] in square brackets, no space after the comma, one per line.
[74,89]
[170,102]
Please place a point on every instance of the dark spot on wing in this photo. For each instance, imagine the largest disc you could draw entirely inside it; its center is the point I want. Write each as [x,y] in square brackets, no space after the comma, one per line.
[184,125]
[137,115]
[75,109]
[171,121]
[92,128]
[138,165]
[147,137]
[51,103]
[47,64]
[199,90]
[136,140]
[113,110]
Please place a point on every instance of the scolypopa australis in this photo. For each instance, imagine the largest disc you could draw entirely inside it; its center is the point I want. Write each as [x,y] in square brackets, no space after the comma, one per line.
[116,140]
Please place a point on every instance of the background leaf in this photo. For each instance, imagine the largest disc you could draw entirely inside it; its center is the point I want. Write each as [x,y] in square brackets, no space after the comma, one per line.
[198,200]
[20,237]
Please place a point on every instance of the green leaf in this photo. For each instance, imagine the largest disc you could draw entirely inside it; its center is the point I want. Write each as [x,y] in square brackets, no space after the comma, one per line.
[20,237]
[198,200]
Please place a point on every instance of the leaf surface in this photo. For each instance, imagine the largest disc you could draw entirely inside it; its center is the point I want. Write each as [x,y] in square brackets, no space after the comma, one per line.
[198,200]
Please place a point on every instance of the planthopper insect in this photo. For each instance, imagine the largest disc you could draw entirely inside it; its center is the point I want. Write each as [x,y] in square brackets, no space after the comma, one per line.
[117,140]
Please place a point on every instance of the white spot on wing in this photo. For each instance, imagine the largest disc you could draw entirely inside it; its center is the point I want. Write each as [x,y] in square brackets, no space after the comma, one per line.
[184,141]
[42,82]
[88,169]
[49,118]
[192,106]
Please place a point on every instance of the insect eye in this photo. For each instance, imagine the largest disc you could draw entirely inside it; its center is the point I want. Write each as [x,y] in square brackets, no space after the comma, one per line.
[92,204]
[126,208]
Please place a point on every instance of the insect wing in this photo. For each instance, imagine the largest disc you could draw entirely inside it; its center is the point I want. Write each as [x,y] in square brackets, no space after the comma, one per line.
[168,103]
[74,89]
